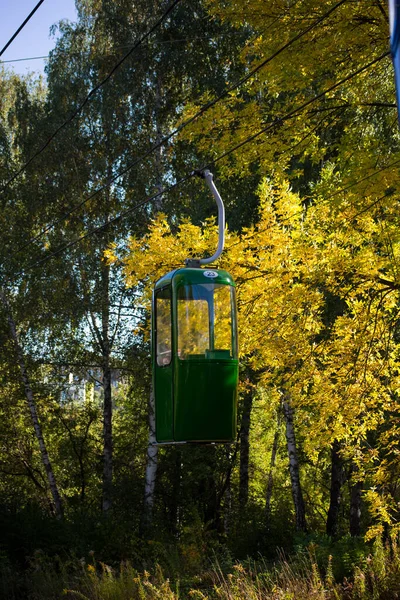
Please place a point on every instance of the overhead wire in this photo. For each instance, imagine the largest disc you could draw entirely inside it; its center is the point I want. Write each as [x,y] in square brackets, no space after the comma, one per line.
[336,193]
[166,190]
[187,122]
[14,60]
[161,42]
[158,42]
[107,223]
[113,179]
[28,18]
[293,112]
[92,92]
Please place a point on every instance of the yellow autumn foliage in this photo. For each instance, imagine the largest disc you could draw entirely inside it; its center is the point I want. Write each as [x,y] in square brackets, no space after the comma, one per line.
[318,275]
[317,296]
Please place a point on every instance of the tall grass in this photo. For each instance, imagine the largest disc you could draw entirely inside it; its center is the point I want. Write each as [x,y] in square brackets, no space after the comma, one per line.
[298,578]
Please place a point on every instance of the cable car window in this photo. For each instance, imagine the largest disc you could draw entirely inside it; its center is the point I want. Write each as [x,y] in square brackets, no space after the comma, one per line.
[193,323]
[235,349]
[163,327]
[223,333]
[205,327]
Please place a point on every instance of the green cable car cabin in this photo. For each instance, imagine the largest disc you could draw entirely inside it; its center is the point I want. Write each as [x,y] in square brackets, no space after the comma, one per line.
[195,356]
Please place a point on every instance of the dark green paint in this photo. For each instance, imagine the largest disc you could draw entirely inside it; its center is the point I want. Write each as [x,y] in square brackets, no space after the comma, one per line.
[164,403]
[191,276]
[195,399]
[205,400]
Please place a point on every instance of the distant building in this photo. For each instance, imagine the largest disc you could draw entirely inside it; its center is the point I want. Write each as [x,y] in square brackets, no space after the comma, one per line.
[85,385]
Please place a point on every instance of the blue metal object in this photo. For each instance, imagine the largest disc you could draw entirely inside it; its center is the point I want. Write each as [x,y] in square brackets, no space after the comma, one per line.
[394,17]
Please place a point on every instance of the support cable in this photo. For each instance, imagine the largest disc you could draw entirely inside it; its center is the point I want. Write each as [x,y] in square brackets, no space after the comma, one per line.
[295,111]
[165,191]
[92,92]
[106,224]
[160,42]
[150,199]
[332,195]
[187,122]
[12,38]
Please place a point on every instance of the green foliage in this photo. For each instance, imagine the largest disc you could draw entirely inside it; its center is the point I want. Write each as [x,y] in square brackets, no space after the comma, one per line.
[343,555]
[295,578]
[314,245]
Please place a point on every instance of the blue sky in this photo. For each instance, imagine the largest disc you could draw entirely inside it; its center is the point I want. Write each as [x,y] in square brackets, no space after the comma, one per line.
[34,39]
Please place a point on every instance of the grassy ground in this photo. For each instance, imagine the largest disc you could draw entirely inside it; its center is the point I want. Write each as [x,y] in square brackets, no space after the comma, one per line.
[377,577]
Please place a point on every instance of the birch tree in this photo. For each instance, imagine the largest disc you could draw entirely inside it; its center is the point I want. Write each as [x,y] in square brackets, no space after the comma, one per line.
[25,381]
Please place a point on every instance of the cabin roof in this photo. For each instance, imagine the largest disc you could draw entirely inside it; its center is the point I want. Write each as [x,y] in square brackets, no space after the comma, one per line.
[193,276]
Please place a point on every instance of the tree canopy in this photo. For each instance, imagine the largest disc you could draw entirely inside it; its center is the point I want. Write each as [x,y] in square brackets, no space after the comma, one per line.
[292,106]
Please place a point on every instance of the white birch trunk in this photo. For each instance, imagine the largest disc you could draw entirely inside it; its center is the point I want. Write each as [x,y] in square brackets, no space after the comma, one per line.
[32,408]
[152,448]
[151,470]
[355,503]
[228,508]
[108,439]
[270,482]
[294,466]
[244,437]
[107,393]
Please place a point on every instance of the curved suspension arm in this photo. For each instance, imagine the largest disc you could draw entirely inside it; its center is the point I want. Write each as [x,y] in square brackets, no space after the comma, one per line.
[208,176]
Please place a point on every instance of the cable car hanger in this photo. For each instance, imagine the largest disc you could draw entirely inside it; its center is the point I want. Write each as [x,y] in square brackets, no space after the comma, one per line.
[195,263]
[194,348]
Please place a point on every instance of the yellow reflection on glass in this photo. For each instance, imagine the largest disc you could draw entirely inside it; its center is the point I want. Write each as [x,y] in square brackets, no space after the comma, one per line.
[222,318]
[204,321]
[193,327]
[163,327]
